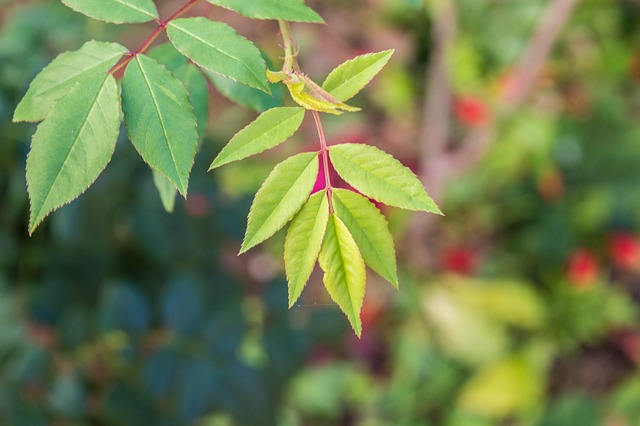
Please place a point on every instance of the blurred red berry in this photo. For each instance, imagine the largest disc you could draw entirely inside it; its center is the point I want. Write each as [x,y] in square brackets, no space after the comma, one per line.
[470,110]
[460,260]
[582,268]
[625,251]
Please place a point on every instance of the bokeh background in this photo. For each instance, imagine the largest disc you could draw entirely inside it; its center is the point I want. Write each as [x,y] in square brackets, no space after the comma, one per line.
[519,307]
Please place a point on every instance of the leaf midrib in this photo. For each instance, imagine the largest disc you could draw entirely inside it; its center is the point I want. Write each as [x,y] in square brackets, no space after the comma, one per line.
[370,243]
[73,144]
[268,218]
[161,118]
[272,129]
[346,82]
[378,179]
[135,8]
[176,26]
[344,269]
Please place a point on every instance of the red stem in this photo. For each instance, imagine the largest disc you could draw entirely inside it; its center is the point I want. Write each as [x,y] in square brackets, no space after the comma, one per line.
[162,25]
[324,151]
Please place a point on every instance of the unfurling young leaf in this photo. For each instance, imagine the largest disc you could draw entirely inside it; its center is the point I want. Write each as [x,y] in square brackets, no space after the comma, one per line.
[344,272]
[288,10]
[309,95]
[57,78]
[303,242]
[72,145]
[369,230]
[115,11]
[378,175]
[270,129]
[280,197]
[349,78]
[219,48]
[160,119]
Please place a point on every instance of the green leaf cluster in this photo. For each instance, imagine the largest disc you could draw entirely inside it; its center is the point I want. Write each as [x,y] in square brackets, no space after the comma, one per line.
[82,97]
[162,96]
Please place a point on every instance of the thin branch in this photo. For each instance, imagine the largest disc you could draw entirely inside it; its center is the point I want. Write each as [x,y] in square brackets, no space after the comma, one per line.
[162,25]
[436,121]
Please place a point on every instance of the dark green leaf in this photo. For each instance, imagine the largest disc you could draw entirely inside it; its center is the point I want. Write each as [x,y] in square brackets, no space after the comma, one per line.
[160,119]
[72,145]
[57,78]
[219,48]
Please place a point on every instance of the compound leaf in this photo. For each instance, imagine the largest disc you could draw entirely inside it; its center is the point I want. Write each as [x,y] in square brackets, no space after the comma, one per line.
[345,81]
[344,273]
[378,175]
[369,230]
[63,73]
[115,11]
[270,129]
[72,145]
[219,48]
[303,242]
[160,119]
[287,10]
[280,197]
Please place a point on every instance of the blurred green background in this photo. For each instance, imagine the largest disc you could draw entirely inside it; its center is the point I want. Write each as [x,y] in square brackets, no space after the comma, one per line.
[520,307]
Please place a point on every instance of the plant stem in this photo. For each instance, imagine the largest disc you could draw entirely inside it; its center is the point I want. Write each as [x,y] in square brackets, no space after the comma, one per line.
[324,152]
[290,60]
[162,25]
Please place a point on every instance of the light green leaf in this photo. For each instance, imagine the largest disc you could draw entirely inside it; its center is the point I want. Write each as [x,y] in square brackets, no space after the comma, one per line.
[246,96]
[270,129]
[280,197]
[370,231]
[57,78]
[160,119]
[303,242]
[378,175]
[115,11]
[219,48]
[287,10]
[349,78]
[192,79]
[344,273]
[166,190]
[72,145]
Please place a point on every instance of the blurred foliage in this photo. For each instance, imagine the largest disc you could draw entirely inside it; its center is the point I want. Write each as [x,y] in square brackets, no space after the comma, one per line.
[116,313]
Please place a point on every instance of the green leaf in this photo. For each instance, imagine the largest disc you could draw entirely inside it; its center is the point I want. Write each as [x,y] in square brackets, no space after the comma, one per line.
[160,119]
[280,197]
[287,10]
[196,85]
[270,129]
[166,190]
[344,273]
[370,231]
[303,242]
[57,78]
[378,175]
[219,48]
[349,78]
[115,11]
[192,79]
[72,145]
[246,96]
